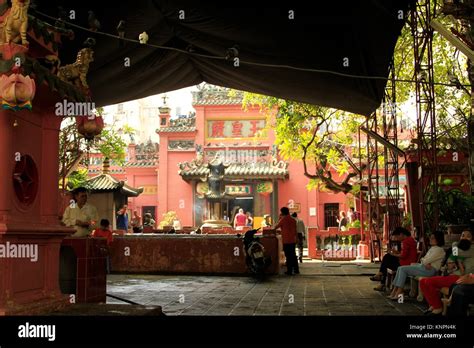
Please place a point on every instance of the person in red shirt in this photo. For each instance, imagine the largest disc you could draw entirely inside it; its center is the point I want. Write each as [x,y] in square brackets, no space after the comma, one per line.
[104,232]
[288,235]
[395,258]
[409,253]
[240,220]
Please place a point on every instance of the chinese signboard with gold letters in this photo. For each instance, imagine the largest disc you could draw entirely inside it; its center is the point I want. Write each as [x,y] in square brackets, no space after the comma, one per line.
[234,128]
[150,190]
[237,190]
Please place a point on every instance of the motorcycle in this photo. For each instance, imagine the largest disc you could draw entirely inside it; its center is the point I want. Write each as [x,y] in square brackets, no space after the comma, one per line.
[254,252]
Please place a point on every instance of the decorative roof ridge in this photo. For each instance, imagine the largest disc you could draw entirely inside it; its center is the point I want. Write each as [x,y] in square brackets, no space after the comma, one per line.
[105,175]
[216,95]
[195,164]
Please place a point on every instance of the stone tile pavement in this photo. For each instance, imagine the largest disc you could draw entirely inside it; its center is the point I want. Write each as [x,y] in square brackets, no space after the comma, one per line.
[329,289]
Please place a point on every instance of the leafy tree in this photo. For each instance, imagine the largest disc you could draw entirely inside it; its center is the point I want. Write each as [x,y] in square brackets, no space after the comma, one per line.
[452,98]
[73,147]
[77,178]
[455,207]
[321,137]
[460,14]
[111,145]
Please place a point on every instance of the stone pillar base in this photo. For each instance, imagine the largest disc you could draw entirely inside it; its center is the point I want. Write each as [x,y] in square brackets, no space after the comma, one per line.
[29,268]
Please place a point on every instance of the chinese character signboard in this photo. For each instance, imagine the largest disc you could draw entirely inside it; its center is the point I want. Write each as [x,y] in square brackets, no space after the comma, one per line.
[238,190]
[234,128]
[239,156]
[150,190]
[265,188]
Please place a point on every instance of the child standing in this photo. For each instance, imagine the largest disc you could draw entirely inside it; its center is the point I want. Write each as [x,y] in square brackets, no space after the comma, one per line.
[105,232]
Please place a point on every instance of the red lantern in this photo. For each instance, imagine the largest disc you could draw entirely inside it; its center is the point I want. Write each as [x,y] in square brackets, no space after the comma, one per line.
[89,127]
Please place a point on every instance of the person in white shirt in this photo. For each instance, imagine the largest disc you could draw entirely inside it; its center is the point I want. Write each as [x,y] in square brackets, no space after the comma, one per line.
[80,214]
[301,230]
[429,266]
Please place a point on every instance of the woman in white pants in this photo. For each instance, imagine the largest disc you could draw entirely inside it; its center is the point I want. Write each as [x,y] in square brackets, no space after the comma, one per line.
[429,266]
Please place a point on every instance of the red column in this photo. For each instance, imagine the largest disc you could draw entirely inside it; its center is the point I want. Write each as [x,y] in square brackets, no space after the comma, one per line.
[163,178]
[50,147]
[29,282]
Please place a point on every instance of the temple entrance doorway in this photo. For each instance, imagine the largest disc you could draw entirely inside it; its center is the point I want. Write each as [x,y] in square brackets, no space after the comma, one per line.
[246,203]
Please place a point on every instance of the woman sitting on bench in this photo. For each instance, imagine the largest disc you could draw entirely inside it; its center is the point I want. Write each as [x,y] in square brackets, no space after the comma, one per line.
[393,259]
[429,266]
[464,251]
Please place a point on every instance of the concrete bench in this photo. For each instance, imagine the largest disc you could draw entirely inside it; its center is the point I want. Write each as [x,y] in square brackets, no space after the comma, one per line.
[415,290]
[389,279]
[414,284]
[389,283]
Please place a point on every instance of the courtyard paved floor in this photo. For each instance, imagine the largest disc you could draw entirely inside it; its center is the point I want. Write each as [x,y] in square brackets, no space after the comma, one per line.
[329,289]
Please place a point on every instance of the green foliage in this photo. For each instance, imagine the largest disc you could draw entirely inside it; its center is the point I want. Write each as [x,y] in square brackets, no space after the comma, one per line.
[111,145]
[355,189]
[77,178]
[314,134]
[72,145]
[455,208]
[452,100]
[355,224]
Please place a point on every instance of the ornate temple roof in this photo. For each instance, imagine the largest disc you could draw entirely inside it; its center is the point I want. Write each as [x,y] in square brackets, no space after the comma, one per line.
[107,183]
[112,170]
[263,170]
[214,95]
[182,124]
[176,129]
[142,164]
[49,34]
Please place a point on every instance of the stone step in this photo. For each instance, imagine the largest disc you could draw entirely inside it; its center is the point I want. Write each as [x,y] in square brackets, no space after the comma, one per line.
[102,309]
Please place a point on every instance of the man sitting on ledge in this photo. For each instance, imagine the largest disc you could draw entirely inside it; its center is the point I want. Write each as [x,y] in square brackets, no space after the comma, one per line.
[80,214]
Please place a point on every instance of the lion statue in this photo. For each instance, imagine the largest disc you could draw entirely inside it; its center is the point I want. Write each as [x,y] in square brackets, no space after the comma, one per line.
[76,73]
[14,27]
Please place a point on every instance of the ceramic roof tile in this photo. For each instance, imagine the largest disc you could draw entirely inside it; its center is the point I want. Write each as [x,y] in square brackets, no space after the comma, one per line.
[264,169]
[105,182]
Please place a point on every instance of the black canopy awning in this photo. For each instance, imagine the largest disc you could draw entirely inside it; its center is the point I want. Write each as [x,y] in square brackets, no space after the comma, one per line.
[320,37]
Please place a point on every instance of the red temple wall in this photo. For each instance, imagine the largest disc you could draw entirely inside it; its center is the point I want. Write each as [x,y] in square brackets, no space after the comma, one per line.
[146,178]
[180,193]
[296,189]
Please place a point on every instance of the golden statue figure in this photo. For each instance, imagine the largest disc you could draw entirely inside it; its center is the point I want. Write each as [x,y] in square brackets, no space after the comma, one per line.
[14,27]
[76,73]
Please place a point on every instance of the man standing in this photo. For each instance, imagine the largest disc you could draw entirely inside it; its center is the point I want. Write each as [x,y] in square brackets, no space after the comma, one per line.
[80,214]
[136,222]
[301,230]
[288,235]
[342,221]
[240,220]
[352,215]
[122,218]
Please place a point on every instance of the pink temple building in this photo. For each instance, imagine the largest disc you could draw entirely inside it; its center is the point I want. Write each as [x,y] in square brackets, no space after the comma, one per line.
[174,174]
